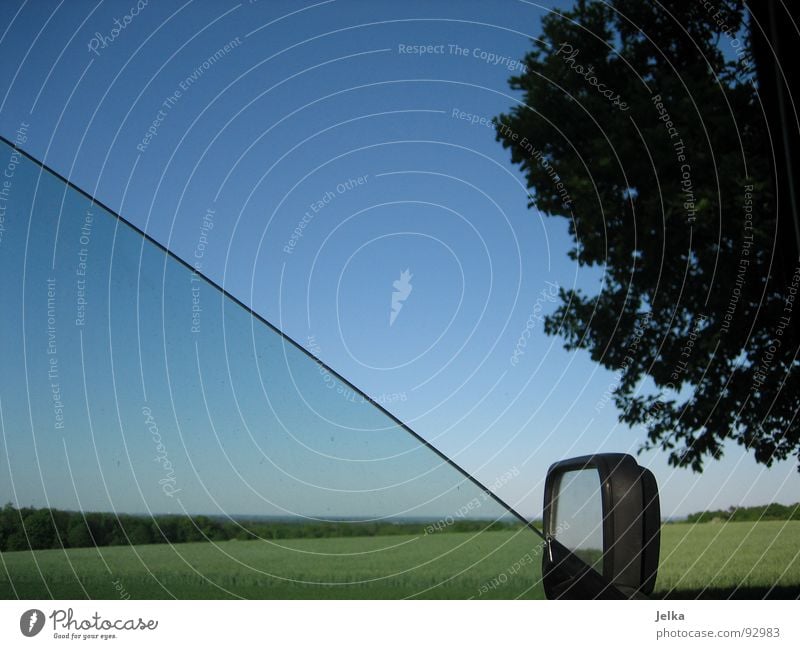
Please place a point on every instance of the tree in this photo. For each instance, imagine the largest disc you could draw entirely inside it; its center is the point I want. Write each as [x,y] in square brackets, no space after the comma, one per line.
[646,129]
[39,530]
[138,530]
[9,519]
[78,534]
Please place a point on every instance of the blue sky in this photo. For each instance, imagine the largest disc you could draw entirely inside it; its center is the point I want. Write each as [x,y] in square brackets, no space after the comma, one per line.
[316,120]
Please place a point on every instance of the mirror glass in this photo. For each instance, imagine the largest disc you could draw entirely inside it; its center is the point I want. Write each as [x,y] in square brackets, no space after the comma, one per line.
[188,449]
[578,515]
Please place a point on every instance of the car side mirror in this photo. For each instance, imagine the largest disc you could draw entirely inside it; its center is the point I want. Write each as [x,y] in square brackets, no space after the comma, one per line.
[602,522]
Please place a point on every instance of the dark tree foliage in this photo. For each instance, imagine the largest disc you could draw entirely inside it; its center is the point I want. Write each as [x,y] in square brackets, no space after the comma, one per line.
[771,512]
[42,529]
[644,125]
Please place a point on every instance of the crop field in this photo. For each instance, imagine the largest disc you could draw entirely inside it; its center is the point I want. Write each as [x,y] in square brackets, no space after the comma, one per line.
[739,560]
[449,565]
[706,560]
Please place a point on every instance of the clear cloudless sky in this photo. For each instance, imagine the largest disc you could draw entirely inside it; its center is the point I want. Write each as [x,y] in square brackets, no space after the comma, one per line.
[335,157]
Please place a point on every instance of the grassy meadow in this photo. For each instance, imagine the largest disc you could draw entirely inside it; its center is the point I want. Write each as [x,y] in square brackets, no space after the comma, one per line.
[749,560]
[451,565]
[734,559]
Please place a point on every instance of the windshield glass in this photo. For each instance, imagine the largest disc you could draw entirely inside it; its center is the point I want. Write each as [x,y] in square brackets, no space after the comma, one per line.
[158,415]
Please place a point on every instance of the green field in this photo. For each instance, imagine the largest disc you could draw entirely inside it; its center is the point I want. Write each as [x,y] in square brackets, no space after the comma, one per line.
[707,560]
[740,560]
[449,565]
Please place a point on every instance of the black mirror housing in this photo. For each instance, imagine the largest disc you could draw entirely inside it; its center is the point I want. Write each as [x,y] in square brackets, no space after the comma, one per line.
[631,531]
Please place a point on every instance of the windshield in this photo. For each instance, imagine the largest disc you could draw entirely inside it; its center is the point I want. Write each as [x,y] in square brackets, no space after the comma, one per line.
[135,389]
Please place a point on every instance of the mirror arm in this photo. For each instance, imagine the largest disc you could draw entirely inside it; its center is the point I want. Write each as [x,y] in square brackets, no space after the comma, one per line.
[572,578]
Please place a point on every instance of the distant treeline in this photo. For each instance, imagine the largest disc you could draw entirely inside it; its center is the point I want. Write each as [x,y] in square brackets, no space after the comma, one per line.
[38,529]
[773,512]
